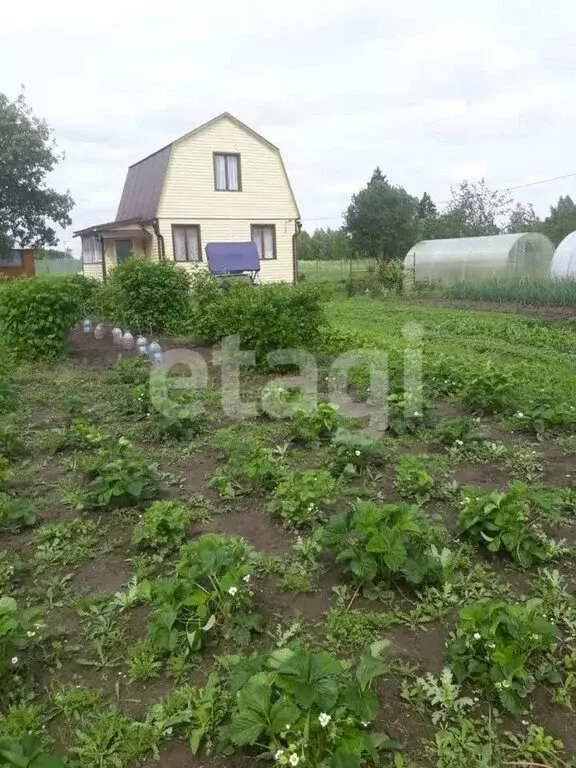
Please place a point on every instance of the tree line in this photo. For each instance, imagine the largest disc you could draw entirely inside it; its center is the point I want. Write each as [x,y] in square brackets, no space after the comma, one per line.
[383,221]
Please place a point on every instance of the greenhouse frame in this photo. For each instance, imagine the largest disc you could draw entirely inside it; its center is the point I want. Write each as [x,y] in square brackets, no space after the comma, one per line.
[564,259]
[480,258]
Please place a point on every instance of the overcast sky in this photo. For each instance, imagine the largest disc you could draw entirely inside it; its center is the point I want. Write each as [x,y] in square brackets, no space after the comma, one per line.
[433,92]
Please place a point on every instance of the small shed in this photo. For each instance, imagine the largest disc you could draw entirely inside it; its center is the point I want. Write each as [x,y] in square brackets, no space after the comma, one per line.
[17,263]
[480,258]
[564,260]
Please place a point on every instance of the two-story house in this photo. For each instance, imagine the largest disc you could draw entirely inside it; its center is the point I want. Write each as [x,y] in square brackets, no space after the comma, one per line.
[221,182]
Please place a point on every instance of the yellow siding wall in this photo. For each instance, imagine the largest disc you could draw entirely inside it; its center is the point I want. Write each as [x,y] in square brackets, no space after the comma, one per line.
[279,270]
[188,195]
[92,270]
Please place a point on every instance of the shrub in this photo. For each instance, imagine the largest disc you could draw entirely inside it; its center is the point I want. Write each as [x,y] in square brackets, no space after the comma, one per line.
[495,646]
[499,520]
[308,708]
[379,543]
[302,497]
[148,296]
[266,317]
[36,314]
[120,476]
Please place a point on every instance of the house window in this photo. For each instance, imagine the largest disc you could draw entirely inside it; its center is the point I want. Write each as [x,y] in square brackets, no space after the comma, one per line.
[186,241]
[91,253]
[227,172]
[11,259]
[264,235]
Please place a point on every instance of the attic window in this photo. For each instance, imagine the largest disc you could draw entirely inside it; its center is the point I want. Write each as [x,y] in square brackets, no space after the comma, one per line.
[227,172]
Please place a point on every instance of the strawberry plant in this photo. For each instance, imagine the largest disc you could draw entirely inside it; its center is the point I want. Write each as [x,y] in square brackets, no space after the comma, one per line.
[499,521]
[210,592]
[17,629]
[488,389]
[164,525]
[352,452]
[376,544]
[318,424]
[15,513]
[405,416]
[26,753]
[120,476]
[308,709]
[458,432]
[302,497]
[252,468]
[413,480]
[545,414]
[498,645]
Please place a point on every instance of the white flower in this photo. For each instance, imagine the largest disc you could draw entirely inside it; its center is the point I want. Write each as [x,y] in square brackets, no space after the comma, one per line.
[417,414]
[505,684]
[278,754]
[232,591]
[364,725]
[519,415]
[477,636]
[357,453]
[30,634]
[14,659]
[246,579]
[294,759]
[324,719]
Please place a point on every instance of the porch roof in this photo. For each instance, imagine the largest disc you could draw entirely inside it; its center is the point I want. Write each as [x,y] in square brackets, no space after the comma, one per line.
[127,229]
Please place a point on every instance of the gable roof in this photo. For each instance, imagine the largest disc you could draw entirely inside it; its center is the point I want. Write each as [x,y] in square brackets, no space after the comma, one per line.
[144,180]
[143,185]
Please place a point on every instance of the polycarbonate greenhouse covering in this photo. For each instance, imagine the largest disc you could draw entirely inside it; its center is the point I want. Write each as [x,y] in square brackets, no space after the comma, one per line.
[480,258]
[564,260]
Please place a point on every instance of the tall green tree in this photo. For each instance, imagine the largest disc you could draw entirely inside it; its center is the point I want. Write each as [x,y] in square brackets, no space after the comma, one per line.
[560,221]
[28,154]
[426,207]
[381,220]
[523,219]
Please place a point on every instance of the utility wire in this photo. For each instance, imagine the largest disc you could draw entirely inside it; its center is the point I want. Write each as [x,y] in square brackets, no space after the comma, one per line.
[443,202]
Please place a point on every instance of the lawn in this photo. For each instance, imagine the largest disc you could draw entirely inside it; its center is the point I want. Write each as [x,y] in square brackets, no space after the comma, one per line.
[332,271]
[186,587]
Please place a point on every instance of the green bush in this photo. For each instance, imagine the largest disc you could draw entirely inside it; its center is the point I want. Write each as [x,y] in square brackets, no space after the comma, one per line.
[266,317]
[147,296]
[36,314]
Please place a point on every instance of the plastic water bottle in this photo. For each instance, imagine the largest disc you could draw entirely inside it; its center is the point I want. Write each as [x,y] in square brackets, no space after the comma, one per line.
[142,350]
[100,331]
[128,340]
[141,341]
[154,347]
[87,325]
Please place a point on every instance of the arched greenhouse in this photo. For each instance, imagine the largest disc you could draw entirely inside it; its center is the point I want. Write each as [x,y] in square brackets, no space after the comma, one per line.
[564,259]
[480,258]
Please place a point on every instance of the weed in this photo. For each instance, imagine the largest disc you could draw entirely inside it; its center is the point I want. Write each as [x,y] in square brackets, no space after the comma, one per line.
[351,453]
[349,631]
[64,543]
[164,525]
[318,424]
[443,694]
[413,480]
[11,444]
[74,701]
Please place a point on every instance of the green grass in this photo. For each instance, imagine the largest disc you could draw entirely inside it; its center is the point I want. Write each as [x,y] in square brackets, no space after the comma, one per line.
[539,355]
[536,291]
[331,271]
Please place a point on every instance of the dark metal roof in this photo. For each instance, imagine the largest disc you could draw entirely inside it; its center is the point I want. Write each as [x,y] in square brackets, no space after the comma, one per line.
[143,186]
[230,258]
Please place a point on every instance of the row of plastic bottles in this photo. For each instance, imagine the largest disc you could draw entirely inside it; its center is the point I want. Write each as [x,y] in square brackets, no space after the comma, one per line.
[125,339]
